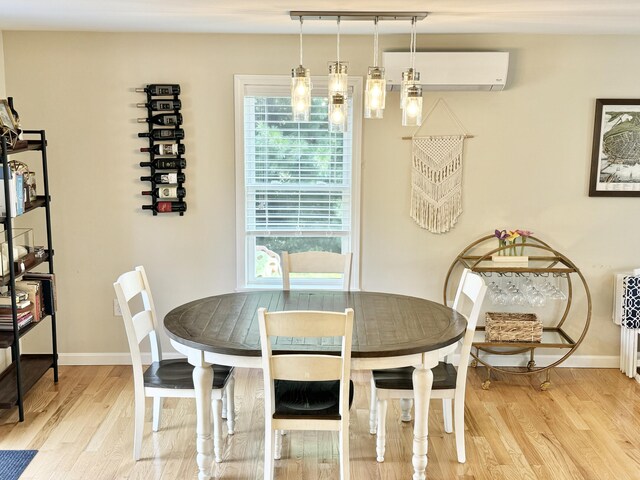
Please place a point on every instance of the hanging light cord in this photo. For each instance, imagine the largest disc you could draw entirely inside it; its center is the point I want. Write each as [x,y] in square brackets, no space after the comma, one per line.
[301,41]
[413,43]
[375,42]
[338,44]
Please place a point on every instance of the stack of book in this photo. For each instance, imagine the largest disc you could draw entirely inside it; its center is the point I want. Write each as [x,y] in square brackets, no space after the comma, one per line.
[35,299]
[24,311]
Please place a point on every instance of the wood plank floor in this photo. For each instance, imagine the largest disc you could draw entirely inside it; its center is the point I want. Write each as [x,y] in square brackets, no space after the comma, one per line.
[587,426]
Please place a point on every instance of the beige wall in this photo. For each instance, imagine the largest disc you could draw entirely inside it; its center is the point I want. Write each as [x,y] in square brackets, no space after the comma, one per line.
[526,167]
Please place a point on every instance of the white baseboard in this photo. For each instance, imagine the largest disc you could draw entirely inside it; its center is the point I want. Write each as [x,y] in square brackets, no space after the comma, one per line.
[574,361]
[107,358]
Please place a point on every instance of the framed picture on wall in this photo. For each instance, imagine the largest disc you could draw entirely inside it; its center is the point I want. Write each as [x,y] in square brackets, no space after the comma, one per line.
[7,123]
[615,160]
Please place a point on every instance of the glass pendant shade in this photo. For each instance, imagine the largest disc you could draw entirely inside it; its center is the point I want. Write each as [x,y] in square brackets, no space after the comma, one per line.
[412,111]
[409,78]
[375,93]
[338,79]
[300,94]
[338,113]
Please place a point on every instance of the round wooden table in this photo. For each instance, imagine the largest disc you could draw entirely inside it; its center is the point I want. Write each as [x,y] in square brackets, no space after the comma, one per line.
[389,331]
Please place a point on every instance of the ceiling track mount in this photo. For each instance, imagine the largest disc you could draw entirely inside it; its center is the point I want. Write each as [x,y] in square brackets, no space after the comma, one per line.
[357,16]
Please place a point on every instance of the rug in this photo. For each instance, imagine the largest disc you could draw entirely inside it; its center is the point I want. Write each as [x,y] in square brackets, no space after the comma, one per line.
[14,462]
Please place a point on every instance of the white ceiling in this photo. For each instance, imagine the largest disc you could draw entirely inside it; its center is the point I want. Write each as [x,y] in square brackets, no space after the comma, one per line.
[259,16]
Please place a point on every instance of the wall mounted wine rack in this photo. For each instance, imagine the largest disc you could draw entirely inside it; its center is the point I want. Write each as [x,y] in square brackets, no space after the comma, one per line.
[166,150]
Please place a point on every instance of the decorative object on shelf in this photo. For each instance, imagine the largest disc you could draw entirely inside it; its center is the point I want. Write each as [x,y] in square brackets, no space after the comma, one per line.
[436,176]
[375,87]
[528,286]
[8,126]
[512,327]
[615,158]
[510,253]
[166,162]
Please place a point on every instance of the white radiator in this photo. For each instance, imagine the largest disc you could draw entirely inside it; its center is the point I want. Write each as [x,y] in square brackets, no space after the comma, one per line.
[628,336]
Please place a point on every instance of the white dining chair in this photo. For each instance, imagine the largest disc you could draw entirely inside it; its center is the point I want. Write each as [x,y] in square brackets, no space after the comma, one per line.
[163,378]
[449,383]
[306,391]
[316,262]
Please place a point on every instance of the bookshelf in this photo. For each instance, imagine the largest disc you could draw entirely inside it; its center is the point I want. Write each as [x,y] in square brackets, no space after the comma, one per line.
[25,369]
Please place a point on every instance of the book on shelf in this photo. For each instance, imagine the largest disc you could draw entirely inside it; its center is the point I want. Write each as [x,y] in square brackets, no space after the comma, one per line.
[48,284]
[34,292]
[48,290]
[5,300]
[23,320]
[13,196]
[20,306]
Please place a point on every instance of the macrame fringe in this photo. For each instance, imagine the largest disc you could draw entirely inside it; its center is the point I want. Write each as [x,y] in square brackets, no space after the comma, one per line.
[436,181]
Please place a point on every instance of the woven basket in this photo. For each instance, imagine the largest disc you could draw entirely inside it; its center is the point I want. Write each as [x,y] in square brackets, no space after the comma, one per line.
[512,327]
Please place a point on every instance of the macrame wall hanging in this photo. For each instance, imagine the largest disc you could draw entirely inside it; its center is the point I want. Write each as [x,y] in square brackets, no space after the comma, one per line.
[436,176]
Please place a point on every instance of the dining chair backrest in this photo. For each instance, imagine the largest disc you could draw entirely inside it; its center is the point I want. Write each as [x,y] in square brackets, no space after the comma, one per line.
[471,289]
[316,262]
[306,367]
[141,324]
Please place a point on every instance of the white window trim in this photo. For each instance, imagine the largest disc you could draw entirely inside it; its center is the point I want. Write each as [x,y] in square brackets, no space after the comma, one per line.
[239,84]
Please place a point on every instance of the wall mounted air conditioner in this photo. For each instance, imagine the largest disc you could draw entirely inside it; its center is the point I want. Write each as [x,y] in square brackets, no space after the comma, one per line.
[450,70]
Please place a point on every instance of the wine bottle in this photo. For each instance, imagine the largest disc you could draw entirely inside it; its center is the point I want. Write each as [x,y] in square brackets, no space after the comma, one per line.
[165,207]
[156,89]
[164,134]
[165,163]
[167,192]
[162,105]
[164,178]
[170,119]
[165,149]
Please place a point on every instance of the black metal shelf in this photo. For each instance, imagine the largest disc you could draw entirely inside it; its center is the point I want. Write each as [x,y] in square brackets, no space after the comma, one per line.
[25,370]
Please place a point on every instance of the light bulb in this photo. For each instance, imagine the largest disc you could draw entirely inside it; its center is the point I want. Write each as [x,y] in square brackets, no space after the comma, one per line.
[301,105]
[412,108]
[375,91]
[301,89]
[337,116]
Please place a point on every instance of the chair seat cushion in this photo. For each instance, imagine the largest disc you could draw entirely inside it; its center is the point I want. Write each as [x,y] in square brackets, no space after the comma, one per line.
[178,374]
[444,378]
[321,400]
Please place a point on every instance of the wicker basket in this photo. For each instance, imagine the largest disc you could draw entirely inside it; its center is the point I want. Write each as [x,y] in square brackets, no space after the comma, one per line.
[512,327]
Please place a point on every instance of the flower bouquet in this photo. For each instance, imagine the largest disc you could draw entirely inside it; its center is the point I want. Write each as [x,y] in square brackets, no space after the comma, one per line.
[511,244]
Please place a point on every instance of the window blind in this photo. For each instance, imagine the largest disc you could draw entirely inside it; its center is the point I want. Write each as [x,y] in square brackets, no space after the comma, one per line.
[297,174]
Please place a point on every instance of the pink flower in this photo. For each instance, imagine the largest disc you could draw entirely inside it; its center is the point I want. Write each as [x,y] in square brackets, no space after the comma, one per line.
[524,233]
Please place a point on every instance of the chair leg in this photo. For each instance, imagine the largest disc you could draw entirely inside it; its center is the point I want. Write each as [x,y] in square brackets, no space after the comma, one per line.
[231,406]
[344,452]
[269,447]
[138,426]
[405,407]
[277,451]
[372,408]
[216,405]
[458,412]
[446,415]
[157,413]
[382,430]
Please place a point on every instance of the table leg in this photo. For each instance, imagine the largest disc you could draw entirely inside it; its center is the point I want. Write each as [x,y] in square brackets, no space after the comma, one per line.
[202,381]
[422,383]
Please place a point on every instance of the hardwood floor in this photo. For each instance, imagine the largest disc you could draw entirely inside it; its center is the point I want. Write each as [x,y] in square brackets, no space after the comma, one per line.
[587,426]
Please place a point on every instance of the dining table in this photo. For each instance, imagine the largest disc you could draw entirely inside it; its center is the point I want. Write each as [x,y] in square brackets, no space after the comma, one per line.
[390,330]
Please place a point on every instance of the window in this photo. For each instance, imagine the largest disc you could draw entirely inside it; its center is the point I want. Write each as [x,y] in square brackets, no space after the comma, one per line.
[297,183]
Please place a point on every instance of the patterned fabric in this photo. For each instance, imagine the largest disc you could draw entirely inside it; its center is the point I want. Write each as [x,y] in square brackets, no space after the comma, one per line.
[631,302]
[436,181]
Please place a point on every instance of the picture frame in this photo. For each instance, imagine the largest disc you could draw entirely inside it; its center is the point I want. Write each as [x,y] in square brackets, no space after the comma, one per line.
[7,122]
[615,158]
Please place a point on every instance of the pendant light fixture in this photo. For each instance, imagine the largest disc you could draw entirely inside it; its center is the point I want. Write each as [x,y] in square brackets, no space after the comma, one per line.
[300,89]
[375,90]
[412,105]
[338,84]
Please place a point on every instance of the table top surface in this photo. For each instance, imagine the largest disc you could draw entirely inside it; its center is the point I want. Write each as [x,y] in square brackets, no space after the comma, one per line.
[385,324]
